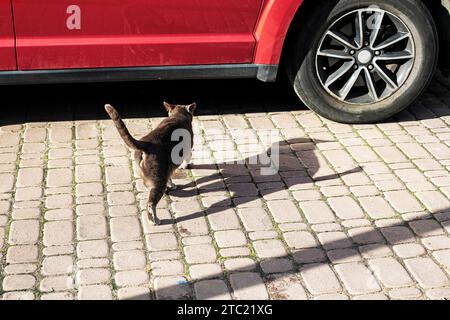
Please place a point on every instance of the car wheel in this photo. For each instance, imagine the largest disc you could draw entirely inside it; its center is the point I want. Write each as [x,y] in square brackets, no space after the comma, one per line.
[353,62]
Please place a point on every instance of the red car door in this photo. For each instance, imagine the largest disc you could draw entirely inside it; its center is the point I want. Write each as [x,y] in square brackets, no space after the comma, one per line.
[61,34]
[7,51]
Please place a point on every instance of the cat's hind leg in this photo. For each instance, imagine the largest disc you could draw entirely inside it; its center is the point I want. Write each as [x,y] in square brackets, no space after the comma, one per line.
[155,196]
[186,161]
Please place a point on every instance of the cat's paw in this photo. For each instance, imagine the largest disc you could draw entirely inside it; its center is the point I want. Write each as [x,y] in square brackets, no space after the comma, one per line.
[171,187]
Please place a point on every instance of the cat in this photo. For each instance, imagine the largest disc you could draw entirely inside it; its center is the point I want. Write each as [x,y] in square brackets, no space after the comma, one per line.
[155,153]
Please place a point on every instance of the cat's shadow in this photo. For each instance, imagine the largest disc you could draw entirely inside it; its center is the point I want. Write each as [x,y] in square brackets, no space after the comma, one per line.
[300,167]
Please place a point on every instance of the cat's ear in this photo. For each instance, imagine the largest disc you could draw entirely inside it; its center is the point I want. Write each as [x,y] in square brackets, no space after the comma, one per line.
[192,107]
[169,107]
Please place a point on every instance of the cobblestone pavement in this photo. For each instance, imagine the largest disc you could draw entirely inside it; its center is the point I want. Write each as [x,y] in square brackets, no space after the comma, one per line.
[355,212]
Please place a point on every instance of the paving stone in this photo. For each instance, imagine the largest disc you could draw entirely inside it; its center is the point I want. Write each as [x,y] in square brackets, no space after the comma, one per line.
[172,288]
[343,256]
[405,293]
[59,177]
[27,194]
[284,211]
[334,240]
[211,290]
[276,266]
[409,250]
[57,296]
[125,229]
[161,242]
[90,209]
[57,265]
[240,264]
[398,234]
[365,235]
[248,285]
[167,268]
[19,295]
[18,282]
[91,227]
[300,239]
[223,220]
[230,238]
[377,207]
[58,233]
[438,293]
[436,243]
[57,283]
[357,278]
[89,189]
[20,268]
[434,201]
[87,173]
[427,272]
[202,253]
[58,250]
[255,219]
[234,252]
[95,292]
[403,202]
[59,201]
[29,177]
[93,276]
[129,260]
[92,263]
[128,245]
[131,278]
[118,175]
[390,272]
[443,257]
[22,254]
[426,228]
[312,255]
[269,248]
[205,271]
[285,287]
[320,279]
[133,293]
[346,208]
[24,232]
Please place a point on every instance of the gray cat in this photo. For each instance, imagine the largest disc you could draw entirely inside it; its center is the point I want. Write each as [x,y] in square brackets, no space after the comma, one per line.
[154,153]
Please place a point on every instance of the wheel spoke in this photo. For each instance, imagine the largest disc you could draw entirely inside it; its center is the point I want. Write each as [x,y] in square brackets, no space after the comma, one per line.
[343,93]
[399,55]
[338,54]
[359,28]
[370,84]
[386,78]
[341,39]
[392,40]
[338,73]
[376,27]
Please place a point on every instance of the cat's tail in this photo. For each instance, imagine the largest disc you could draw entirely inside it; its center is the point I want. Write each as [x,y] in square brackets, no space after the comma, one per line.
[123,131]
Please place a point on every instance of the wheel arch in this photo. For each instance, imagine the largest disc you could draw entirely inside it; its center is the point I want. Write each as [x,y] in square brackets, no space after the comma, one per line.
[281,20]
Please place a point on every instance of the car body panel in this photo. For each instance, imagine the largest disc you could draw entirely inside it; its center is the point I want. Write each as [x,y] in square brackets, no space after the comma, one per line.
[273,24]
[118,33]
[7,51]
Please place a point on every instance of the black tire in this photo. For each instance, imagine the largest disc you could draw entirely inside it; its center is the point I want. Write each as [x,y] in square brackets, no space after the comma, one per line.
[301,63]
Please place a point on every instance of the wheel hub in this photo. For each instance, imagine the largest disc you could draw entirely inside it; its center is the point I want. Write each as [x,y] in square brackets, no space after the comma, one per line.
[364,56]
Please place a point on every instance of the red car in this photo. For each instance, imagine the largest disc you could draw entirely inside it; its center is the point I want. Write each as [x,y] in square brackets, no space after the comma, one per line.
[350,61]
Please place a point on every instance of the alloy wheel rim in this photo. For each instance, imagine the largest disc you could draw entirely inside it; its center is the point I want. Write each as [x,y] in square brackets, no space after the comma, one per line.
[365,56]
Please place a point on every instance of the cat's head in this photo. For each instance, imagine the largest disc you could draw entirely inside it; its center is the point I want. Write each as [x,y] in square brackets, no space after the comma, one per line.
[174,109]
